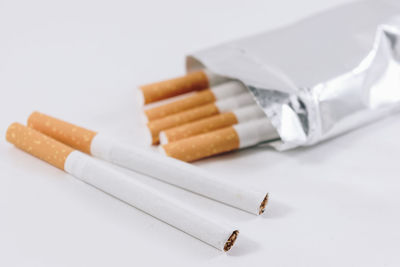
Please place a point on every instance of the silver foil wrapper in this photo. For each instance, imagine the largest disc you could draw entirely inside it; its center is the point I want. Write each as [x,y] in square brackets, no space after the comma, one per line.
[321,76]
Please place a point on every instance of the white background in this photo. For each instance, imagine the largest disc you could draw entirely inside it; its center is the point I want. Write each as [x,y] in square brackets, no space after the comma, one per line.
[336,204]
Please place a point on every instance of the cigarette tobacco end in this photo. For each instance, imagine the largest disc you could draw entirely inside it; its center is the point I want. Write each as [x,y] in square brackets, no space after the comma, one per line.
[231,240]
[263,205]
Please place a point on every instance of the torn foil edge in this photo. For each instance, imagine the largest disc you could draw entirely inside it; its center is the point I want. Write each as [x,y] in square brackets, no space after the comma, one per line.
[306,116]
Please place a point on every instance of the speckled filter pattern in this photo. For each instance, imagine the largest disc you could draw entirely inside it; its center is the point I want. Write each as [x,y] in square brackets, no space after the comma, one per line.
[38,144]
[201,126]
[204,145]
[67,133]
[161,90]
[200,98]
[181,118]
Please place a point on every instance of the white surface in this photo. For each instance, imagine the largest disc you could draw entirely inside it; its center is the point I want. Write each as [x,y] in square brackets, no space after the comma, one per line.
[176,172]
[336,204]
[147,199]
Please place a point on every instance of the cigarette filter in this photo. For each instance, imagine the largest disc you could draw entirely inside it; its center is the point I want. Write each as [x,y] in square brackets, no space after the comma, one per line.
[193,81]
[155,127]
[212,123]
[121,186]
[220,141]
[167,169]
[202,97]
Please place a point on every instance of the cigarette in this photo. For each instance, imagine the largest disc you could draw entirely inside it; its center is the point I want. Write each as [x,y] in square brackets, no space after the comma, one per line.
[202,97]
[121,186]
[191,82]
[220,141]
[208,110]
[212,123]
[167,169]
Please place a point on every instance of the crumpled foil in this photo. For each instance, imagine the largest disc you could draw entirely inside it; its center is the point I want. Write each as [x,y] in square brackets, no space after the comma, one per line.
[321,76]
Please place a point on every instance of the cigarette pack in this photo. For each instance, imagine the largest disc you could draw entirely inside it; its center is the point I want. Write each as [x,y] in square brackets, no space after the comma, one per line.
[321,76]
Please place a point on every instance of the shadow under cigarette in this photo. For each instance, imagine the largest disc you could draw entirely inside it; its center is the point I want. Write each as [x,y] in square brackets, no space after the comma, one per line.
[276,210]
[243,246]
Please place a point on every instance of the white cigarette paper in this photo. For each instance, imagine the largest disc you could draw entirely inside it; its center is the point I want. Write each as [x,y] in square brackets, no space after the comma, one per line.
[254,132]
[119,185]
[234,102]
[228,89]
[149,200]
[178,173]
[170,170]
[248,113]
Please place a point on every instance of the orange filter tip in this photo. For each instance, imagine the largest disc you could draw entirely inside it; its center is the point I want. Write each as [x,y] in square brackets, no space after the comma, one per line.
[67,133]
[202,146]
[198,127]
[156,126]
[199,98]
[165,89]
[38,144]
